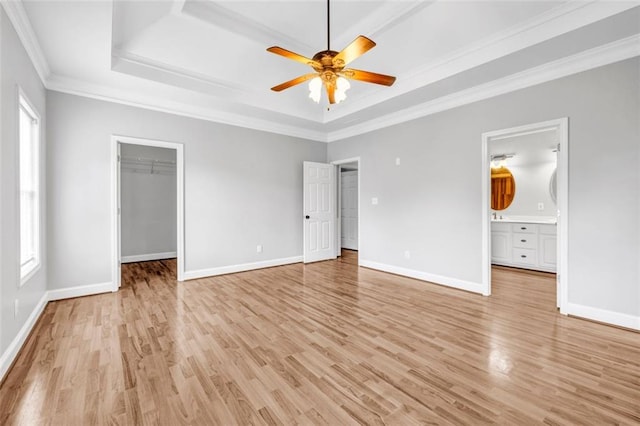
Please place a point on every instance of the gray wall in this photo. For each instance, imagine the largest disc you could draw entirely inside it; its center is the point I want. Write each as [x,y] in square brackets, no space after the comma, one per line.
[532,187]
[431,203]
[242,188]
[148,202]
[17,71]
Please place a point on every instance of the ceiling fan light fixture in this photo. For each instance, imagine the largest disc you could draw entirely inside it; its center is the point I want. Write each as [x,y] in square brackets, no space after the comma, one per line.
[342,85]
[329,67]
[315,89]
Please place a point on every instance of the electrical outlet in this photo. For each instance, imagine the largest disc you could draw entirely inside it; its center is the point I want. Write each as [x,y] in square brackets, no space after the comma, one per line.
[407,254]
[540,206]
[397,161]
[259,248]
[15,308]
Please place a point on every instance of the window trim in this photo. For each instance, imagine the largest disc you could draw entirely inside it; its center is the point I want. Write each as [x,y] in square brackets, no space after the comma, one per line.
[30,268]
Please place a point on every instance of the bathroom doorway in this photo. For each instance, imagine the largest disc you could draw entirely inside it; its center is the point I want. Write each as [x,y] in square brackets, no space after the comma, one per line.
[525,201]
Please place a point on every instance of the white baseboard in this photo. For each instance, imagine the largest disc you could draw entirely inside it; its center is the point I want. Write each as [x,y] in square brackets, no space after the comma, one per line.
[425,276]
[603,315]
[146,257]
[201,273]
[11,352]
[79,291]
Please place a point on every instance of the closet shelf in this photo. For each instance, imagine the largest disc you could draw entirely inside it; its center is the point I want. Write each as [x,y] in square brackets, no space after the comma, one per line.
[147,165]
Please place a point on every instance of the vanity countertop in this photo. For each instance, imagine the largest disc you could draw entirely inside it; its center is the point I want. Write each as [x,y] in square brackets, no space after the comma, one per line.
[527,219]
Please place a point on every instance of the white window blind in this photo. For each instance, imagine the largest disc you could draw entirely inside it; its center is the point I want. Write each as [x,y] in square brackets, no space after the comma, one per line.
[29,141]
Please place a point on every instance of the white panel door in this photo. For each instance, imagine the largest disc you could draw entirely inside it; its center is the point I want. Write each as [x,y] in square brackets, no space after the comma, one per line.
[319,212]
[349,210]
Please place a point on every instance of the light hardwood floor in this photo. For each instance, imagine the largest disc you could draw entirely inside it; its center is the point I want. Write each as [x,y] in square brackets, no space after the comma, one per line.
[326,343]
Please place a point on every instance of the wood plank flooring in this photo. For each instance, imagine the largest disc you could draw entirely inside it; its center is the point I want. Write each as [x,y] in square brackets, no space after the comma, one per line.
[326,343]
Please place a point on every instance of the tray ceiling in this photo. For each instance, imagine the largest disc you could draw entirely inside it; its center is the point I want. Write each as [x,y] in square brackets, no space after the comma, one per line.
[207,59]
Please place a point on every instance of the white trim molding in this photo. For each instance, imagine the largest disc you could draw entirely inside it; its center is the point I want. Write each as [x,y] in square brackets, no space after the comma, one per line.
[79,291]
[560,20]
[169,106]
[18,17]
[603,316]
[10,354]
[424,276]
[589,59]
[223,270]
[556,21]
[147,257]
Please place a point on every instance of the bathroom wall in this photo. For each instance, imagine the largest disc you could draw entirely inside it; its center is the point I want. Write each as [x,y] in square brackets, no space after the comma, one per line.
[532,188]
[532,165]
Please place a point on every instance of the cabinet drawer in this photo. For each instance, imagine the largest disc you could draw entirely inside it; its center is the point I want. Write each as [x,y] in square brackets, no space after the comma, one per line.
[523,228]
[524,256]
[547,229]
[500,226]
[528,241]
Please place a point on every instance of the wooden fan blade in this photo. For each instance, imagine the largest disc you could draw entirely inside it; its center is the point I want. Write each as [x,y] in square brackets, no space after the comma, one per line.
[331,93]
[369,77]
[297,80]
[357,48]
[292,55]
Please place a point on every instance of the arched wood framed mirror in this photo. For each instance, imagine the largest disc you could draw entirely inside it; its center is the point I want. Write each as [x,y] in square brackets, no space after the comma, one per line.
[503,188]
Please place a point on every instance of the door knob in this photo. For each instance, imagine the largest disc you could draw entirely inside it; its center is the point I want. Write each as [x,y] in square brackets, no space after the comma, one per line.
[307,217]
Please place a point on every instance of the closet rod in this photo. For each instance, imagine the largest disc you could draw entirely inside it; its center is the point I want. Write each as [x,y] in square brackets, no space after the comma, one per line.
[141,160]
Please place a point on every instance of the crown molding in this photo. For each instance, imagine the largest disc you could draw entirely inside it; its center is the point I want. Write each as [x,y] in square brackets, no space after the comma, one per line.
[386,17]
[603,55]
[125,97]
[560,20]
[593,58]
[222,17]
[137,65]
[18,17]
[150,69]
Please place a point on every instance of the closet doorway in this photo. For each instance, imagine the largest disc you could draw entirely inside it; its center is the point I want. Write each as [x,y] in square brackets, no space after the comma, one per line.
[348,205]
[148,203]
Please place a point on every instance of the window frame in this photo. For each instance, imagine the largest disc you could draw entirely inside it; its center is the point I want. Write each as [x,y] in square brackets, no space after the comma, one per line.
[29,268]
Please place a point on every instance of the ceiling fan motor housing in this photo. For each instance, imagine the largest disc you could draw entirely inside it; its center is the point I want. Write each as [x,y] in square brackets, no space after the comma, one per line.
[329,69]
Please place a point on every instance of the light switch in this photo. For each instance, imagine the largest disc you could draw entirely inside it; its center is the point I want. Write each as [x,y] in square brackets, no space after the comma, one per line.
[397,161]
[540,206]
[374,201]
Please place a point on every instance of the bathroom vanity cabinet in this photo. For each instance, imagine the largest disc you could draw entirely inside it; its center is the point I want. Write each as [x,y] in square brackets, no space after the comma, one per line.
[524,245]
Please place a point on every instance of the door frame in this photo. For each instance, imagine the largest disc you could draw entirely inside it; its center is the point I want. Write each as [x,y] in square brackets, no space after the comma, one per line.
[338,227]
[116,140]
[561,126]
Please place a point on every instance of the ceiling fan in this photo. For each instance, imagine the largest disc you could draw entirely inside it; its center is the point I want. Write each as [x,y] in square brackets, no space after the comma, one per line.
[329,67]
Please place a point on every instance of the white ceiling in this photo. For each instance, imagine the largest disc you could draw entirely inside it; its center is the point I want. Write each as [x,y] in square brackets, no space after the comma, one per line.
[208,59]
